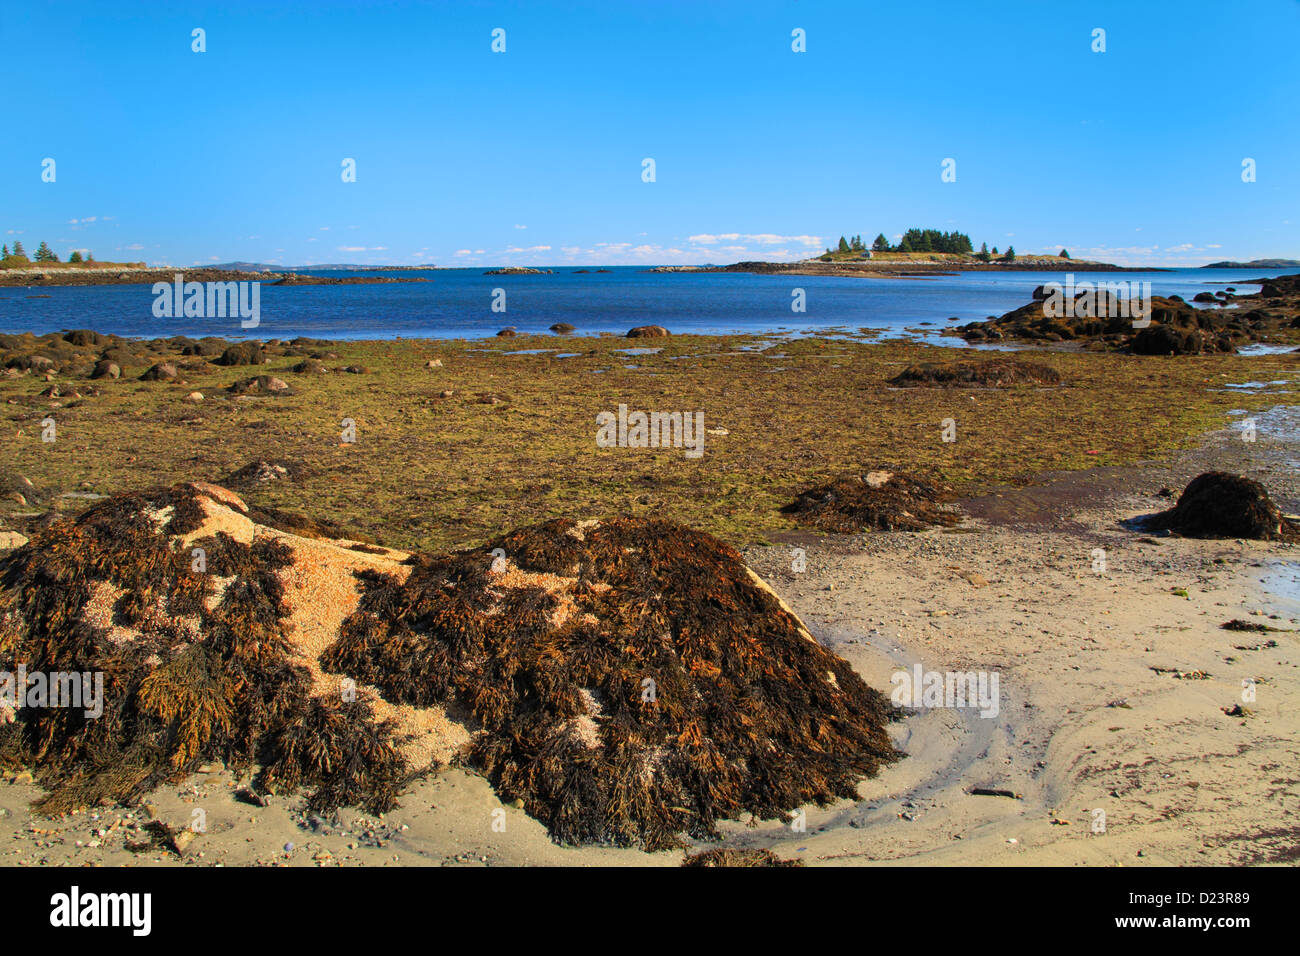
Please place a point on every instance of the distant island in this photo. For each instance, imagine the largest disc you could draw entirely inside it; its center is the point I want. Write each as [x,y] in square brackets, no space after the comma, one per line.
[918,253]
[1256,264]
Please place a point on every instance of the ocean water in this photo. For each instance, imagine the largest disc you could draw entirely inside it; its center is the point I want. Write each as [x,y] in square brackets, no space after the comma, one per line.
[457,303]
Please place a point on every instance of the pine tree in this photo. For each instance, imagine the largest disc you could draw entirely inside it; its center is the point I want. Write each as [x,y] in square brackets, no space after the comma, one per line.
[18,248]
[881,244]
[995,250]
[75,256]
[1011,254]
[844,244]
[1064,254]
[45,254]
[5,253]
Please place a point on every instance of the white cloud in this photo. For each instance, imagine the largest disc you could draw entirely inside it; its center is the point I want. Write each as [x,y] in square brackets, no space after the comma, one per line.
[607,252]
[762,238]
[1184,254]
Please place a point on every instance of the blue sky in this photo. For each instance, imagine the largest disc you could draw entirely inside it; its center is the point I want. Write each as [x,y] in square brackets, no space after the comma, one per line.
[534,156]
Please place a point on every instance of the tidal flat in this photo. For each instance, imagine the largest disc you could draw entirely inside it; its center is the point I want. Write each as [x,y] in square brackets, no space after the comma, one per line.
[503,433]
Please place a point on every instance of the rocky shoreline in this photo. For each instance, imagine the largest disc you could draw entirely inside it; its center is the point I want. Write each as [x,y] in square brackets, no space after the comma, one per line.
[1098,319]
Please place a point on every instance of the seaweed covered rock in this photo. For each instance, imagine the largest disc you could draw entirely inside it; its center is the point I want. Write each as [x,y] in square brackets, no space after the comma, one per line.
[629,680]
[1178,340]
[875,501]
[184,633]
[15,486]
[260,385]
[648,332]
[106,369]
[261,472]
[84,337]
[205,347]
[1103,320]
[992,373]
[161,372]
[245,353]
[1218,504]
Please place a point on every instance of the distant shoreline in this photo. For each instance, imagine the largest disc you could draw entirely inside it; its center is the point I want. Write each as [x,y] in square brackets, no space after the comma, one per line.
[300,275]
[896,268]
[35,277]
